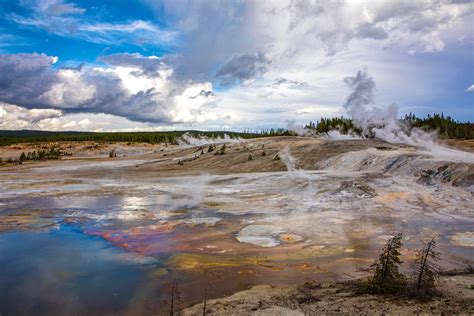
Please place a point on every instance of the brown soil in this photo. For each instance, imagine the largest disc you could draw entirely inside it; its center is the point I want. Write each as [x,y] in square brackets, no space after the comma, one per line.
[462,144]
[456,297]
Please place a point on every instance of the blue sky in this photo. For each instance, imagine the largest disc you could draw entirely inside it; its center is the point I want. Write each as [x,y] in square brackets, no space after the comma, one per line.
[150,65]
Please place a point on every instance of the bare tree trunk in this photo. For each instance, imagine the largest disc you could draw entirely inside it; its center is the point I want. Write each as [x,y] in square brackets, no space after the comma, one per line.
[385,266]
[172,297]
[205,303]
[423,265]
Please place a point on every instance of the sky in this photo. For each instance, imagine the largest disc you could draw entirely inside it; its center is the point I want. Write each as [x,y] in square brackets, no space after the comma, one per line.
[124,65]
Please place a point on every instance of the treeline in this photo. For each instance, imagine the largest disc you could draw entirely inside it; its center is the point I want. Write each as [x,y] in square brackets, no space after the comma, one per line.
[170,137]
[324,125]
[273,132]
[52,154]
[447,127]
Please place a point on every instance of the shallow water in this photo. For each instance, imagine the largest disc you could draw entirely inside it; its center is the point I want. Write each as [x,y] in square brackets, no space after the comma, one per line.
[129,238]
[61,271]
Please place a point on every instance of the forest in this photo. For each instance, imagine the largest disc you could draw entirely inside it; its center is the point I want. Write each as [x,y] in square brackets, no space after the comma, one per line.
[9,137]
[445,126]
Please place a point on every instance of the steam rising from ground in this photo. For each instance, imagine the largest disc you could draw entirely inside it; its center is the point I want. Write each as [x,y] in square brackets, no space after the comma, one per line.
[384,123]
[299,130]
[337,135]
[288,159]
[188,140]
[185,192]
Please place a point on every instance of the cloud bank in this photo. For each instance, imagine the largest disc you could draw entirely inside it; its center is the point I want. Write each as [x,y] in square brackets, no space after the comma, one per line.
[129,85]
[234,64]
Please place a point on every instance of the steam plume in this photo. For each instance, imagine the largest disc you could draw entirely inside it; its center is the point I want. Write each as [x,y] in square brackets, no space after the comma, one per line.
[384,123]
[188,140]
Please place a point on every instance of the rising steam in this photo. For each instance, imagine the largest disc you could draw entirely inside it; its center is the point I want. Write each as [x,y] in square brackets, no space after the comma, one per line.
[384,122]
[188,140]
[288,159]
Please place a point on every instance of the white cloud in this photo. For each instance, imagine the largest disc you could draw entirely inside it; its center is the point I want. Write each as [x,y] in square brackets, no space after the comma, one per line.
[277,58]
[144,90]
[67,19]
[57,7]
[15,117]
[470,88]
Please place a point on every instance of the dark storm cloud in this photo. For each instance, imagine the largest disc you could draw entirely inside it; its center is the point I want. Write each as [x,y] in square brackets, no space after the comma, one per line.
[25,77]
[204,93]
[30,81]
[368,30]
[149,66]
[292,83]
[242,67]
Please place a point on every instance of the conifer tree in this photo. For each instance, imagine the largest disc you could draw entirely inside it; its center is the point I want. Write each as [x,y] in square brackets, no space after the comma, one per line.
[387,278]
[425,269]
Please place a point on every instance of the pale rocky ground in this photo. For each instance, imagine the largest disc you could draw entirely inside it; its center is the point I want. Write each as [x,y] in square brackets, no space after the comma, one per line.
[322,217]
[340,298]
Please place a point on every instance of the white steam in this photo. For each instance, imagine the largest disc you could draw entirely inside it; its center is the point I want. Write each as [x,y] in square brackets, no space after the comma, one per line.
[384,123]
[191,192]
[187,140]
[288,159]
[298,129]
[337,135]
[290,163]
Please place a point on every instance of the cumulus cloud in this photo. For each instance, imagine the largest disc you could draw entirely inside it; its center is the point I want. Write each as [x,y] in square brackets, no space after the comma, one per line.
[25,77]
[150,66]
[242,68]
[136,87]
[15,117]
[288,26]
[298,49]
[470,88]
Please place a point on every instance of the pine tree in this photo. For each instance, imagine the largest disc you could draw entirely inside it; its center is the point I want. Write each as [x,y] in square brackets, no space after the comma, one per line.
[387,278]
[222,150]
[425,269]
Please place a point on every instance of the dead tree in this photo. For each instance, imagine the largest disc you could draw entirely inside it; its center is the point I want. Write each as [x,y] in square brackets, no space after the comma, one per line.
[425,269]
[175,298]
[205,303]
